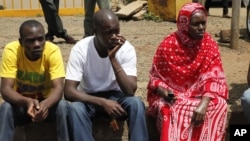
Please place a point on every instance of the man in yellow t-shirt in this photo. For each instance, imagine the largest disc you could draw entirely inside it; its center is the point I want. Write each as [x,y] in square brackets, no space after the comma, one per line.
[32,78]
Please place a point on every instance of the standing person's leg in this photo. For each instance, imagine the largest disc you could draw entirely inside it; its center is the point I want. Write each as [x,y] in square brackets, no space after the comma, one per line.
[55,26]
[136,118]
[207,5]
[225,9]
[89,6]
[103,4]
[59,113]
[50,11]
[80,124]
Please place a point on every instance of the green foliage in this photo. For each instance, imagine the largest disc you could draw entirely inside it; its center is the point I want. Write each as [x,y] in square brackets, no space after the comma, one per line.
[127,1]
[79,14]
[152,17]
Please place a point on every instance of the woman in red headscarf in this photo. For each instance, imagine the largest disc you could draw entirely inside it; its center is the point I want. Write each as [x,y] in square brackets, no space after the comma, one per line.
[188,65]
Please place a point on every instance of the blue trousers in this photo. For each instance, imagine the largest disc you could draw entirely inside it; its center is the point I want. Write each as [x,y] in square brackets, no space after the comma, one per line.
[245,102]
[12,116]
[80,115]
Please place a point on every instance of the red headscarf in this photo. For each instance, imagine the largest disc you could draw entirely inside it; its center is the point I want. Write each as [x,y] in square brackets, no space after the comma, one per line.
[183,21]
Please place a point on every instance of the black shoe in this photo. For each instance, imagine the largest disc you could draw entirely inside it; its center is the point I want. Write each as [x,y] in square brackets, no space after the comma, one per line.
[226,16]
[69,40]
[49,37]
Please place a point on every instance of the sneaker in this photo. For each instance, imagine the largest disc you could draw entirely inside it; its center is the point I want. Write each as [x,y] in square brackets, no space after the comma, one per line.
[226,16]
[69,40]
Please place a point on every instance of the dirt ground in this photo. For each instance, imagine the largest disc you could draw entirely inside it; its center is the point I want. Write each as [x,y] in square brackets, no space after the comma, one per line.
[146,35]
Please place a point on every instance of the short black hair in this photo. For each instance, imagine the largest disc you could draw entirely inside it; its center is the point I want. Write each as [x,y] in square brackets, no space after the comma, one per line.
[29,23]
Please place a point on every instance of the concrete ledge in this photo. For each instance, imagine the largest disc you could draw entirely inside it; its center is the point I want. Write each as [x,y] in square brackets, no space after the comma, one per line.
[103,132]
[46,131]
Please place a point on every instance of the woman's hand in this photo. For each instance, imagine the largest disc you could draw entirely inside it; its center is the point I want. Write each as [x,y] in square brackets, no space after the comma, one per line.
[200,112]
[167,95]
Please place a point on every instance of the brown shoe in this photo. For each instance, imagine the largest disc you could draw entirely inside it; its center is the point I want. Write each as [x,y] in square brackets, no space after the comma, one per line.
[226,16]
[69,40]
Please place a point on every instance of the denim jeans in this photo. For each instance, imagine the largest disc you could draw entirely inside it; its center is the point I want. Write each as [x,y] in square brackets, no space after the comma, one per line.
[12,116]
[80,115]
[245,102]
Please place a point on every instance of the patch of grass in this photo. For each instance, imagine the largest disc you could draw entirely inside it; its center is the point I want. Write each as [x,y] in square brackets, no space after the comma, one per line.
[149,16]
[127,1]
[39,15]
[79,14]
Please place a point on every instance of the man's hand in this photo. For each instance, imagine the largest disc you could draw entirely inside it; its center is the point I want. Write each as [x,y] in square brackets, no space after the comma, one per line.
[119,40]
[32,104]
[40,113]
[114,109]
[37,111]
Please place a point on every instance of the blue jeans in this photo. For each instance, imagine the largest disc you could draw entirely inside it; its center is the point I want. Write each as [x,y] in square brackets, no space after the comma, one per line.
[245,102]
[80,115]
[12,116]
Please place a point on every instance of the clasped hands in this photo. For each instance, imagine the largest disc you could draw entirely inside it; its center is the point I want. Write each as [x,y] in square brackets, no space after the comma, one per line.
[37,111]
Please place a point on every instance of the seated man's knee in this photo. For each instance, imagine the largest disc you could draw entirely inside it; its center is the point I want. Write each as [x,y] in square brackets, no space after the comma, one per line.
[63,104]
[77,107]
[136,103]
[6,109]
[245,98]
[62,107]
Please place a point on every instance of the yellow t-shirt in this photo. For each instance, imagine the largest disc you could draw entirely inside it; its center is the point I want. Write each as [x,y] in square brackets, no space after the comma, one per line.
[32,78]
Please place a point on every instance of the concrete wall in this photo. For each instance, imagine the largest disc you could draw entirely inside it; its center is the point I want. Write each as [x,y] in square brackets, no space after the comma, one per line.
[28,8]
[34,4]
